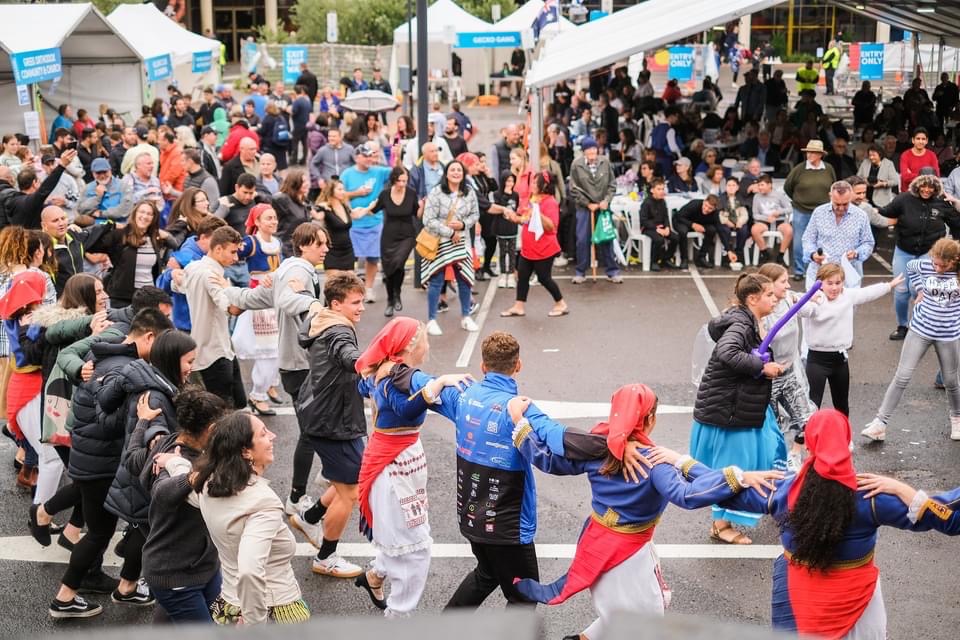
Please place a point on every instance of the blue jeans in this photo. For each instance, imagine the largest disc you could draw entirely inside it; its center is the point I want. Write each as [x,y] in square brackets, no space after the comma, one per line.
[464,290]
[904,292]
[189,604]
[800,260]
[237,274]
[604,250]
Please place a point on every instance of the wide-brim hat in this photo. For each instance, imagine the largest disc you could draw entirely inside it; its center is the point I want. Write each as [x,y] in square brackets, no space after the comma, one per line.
[27,288]
[814,146]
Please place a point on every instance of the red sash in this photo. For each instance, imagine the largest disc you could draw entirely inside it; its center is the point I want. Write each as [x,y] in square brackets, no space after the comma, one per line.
[21,389]
[829,603]
[381,450]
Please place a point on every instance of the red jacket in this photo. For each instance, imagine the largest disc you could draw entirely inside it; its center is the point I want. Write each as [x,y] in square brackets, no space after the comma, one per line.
[172,169]
[911,164]
[232,145]
[547,246]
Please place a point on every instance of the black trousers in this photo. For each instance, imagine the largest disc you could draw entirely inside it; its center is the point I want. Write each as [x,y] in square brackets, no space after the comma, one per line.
[67,496]
[709,238]
[222,378]
[303,454]
[101,525]
[497,566]
[526,267]
[663,248]
[832,367]
[393,282]
[298,141]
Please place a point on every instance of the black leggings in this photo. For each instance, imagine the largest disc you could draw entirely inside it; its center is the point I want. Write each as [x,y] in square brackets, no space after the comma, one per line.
[526,267]
[67,496]
[832,367]
[394,283]
[508,254]
[101,525]
[303,454]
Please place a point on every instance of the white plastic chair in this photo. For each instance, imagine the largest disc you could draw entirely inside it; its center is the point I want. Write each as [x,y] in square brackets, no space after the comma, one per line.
[697,243]
[752,258]
[635,244]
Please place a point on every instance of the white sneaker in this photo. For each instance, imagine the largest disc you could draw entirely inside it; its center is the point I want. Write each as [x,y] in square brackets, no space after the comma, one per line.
[502,282]
[467,324]
[511,281]
[560,261]
[301,505]
[877,431]
[434,329]
[578,280]
[954,428]
[534,281]
[371,296]
[336,567]
[794,461]
[312,532]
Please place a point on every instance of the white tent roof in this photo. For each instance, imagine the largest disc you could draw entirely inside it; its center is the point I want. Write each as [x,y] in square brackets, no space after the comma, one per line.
[642,27]
[522,19]
[80,31]
[444,15]
[154,34]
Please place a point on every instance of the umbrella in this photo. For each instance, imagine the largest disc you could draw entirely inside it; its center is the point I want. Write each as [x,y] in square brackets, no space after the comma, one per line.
[369,102]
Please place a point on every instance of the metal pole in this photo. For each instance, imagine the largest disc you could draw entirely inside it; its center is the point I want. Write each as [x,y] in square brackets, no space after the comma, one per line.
[409,94]
[423,72]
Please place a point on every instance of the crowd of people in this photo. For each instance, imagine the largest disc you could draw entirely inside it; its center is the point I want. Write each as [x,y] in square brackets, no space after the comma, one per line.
[140,262]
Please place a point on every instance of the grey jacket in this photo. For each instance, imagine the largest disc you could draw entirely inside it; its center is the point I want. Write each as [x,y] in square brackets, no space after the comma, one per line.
[327,161]
[206,183]
[887,173]
[290,307]
[587,188]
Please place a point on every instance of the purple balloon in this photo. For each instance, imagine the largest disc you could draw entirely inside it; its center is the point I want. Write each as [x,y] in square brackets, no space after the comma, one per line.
[763,349]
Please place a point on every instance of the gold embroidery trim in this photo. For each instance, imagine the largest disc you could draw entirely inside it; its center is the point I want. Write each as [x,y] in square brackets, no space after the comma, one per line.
[522,433]
[731,479]
[843,564]
[941,511]
[611,518]
[686,466]
[397,431]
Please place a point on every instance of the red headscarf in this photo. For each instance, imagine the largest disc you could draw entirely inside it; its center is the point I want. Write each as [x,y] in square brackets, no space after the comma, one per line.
[468,159]
[828,439]
[629,408]
[389,343]
[27,288]
[255,212]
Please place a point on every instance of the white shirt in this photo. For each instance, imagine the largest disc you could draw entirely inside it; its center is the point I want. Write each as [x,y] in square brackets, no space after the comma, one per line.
[828,326]
[208,312]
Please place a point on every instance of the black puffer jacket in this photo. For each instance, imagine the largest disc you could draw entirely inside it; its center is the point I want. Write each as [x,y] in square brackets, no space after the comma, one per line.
[733,392]
[921,222]
[329,404]
[118,395]
[97,444]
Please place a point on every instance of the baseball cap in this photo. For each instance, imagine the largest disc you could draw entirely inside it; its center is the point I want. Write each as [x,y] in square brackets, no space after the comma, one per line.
[365,150]
[207,129]
[588,143]
[47,158]
[142,132]
[99,164]
[684,161]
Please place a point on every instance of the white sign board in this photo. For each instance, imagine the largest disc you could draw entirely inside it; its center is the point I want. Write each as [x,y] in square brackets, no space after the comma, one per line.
[23,95]
[332,33]
[31,124]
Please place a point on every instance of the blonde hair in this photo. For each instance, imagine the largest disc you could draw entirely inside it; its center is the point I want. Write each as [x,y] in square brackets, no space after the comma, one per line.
[948,250]
[830,270]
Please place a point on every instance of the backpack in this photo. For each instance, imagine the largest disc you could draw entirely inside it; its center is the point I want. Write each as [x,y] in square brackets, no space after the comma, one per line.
[281,132]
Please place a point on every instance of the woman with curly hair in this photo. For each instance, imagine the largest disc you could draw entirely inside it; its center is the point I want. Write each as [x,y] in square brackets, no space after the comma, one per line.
[825,584]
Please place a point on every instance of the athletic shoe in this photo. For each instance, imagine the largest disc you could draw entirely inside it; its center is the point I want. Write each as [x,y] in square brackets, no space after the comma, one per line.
[139,597]
[443,307]
[617,279]
[899,333]
[467,324]
[98,582]
[40,533]
[301,505]
[371,296]
[76,608]
[312,532]
[434,329]
[502,282]
[578,280]
[560,261]
[794,461]
[875,430]
[954,428]
[511,281]
[474,307]
[336,567]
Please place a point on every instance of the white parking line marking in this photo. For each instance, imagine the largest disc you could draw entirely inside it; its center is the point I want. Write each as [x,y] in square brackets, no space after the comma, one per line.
[704,293]
[471,342]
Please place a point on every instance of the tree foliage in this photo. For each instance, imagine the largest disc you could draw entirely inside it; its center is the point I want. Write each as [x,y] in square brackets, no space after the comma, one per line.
[106,7]
[369,21]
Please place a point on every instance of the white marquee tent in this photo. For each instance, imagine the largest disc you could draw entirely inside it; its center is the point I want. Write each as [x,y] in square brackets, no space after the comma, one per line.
[444,20]
[99,65]
[154,34]
[521,21]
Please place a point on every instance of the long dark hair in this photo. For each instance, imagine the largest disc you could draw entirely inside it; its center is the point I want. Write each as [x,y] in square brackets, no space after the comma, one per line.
[168,348]
[133,236]
[445,183]
[183,208]
[80,292]
[819,519]
[222,467]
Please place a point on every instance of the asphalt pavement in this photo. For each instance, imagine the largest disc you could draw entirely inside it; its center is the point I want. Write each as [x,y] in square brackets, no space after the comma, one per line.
[641,330]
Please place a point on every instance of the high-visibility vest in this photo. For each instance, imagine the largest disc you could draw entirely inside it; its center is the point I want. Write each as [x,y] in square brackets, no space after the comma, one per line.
[831,59]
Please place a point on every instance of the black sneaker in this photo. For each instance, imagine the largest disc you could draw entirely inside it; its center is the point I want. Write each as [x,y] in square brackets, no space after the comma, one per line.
[474,307]
[899,333]
[40,533]
[76,608]
[443,306]
[98,582]
[139,597]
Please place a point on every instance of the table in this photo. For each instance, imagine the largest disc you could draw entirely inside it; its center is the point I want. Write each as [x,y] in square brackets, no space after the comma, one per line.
[513,82]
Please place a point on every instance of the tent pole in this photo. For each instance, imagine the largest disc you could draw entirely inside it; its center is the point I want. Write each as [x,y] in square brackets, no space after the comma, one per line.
[423,72]
[536,126]
[409,94]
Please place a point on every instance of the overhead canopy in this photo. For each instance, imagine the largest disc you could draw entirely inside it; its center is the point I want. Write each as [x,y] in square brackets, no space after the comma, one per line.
[642,27]
[944,22]
[444,18]
[522,19]
[154,34]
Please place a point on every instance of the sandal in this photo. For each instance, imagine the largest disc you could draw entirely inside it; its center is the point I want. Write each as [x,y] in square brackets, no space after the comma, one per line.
[379,602]
[510,313]
[556,313]
[737,538]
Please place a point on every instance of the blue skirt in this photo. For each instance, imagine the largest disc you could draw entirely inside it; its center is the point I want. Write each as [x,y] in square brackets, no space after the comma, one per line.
[748,448]
[366,241]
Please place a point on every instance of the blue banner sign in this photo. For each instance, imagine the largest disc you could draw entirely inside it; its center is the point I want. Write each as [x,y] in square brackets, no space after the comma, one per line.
[159,67]
[202,61]
[681,64]
[488,40]
[30,67]
[871,61]
[293,57]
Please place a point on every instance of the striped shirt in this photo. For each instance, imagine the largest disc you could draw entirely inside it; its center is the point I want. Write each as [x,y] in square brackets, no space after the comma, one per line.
[937,315]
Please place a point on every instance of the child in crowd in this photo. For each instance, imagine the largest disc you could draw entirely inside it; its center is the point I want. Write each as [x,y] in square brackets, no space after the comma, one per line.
[506,230]
[735,216]
[828,330]
[770,210]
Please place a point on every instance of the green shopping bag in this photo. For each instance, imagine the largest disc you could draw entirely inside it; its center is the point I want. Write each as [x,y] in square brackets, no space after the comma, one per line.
[604,230]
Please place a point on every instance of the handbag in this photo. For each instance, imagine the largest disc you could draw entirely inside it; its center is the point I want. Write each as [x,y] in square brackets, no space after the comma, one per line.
[604,231]
[428,245]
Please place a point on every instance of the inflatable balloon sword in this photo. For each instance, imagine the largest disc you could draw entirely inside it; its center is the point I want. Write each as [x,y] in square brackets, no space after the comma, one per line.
[763,349]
